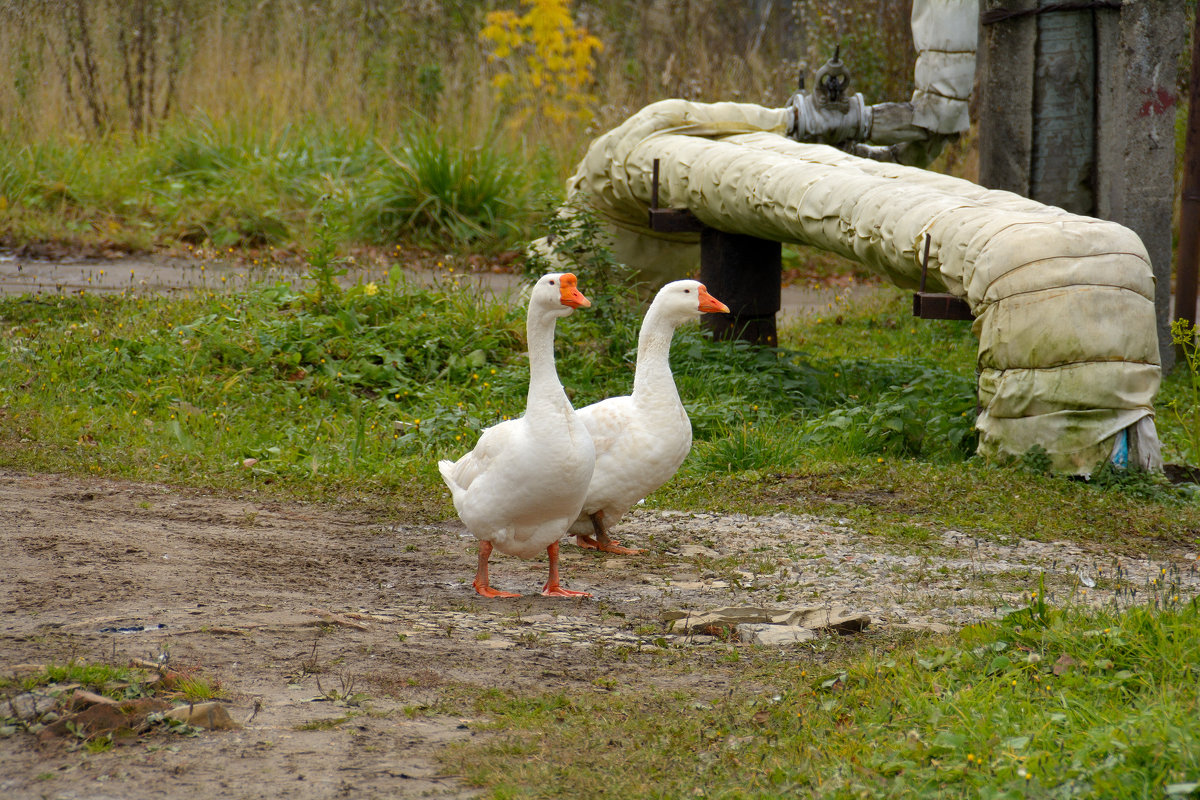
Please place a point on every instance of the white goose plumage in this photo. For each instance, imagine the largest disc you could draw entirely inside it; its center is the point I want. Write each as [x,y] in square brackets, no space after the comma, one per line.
[641,439]
[526,479]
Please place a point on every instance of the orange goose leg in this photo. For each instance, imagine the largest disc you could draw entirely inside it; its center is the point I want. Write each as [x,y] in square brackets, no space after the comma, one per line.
[552,588]
[481,574]
[602,540]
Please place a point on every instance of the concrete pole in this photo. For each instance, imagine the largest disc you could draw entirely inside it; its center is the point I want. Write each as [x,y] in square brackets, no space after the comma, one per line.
[1138,63]
[1063,161]
[1006,58]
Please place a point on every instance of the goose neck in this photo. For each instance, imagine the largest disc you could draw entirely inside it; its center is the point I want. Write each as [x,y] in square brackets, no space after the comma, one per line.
[543,375]
[653,371]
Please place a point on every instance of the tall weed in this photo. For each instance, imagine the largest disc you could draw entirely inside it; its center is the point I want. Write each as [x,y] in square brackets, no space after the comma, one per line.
[436,191]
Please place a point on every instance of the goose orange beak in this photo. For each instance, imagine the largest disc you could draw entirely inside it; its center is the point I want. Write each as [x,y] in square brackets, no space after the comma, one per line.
[710,304]
[569,292]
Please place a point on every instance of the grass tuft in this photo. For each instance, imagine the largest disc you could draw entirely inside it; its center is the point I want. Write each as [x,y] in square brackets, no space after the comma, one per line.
[433,191]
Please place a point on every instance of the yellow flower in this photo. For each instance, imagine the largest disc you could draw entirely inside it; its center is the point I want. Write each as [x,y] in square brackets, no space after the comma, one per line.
[370,290]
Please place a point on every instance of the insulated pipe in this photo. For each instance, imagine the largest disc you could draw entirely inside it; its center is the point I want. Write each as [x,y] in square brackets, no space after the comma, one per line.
[1047,287]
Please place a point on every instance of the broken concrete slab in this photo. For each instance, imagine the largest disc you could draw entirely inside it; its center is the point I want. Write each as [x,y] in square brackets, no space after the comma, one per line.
[774,635]
[836,618]
[124,719]
[28,706]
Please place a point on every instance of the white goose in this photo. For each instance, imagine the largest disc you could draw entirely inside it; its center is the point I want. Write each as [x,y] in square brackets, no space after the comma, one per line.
[641,439]
[526,479]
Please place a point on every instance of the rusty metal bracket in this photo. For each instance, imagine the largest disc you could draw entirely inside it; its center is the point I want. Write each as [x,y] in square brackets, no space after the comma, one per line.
[937,305]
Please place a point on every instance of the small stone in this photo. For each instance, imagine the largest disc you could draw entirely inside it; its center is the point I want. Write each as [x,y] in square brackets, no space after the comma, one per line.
[697,551]
[30,705]
[687,585]
[81,698]
[813,617]
[495,644]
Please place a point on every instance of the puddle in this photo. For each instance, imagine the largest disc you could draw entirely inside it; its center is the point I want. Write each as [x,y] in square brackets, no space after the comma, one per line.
[134,629]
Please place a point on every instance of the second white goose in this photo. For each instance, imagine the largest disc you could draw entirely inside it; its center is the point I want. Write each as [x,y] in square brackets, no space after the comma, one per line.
[641,439]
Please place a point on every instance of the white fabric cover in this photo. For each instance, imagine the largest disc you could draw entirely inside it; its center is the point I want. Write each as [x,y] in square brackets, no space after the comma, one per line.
[945,34]
[1068,352]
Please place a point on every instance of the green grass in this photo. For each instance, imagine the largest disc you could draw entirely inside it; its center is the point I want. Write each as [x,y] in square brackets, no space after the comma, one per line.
[116,681]
[97,676]
[310,390]
[198,688]
[235,184]
[1043,703]
[432,190]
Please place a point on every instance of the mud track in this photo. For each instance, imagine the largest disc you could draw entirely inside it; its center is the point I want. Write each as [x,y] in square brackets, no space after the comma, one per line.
[288,604]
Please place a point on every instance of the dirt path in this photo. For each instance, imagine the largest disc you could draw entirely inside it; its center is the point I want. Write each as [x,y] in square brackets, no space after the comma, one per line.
[162,274]
[239,586]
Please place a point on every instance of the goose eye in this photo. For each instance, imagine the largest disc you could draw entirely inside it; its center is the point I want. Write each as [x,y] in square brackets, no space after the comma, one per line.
[551,283]
[687,291]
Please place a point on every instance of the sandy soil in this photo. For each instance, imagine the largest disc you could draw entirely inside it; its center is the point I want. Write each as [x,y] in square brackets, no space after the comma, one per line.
[243,589]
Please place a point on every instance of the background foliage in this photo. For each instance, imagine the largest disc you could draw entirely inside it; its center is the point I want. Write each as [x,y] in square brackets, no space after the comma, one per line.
[145,123]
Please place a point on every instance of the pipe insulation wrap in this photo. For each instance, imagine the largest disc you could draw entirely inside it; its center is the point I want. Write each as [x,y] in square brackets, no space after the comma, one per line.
[1068,351]
[945,34]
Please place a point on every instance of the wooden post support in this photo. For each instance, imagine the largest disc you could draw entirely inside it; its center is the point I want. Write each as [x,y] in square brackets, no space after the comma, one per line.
[746,274]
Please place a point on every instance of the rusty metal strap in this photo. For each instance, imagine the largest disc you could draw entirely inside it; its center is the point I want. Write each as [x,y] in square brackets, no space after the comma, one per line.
[1003,14]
